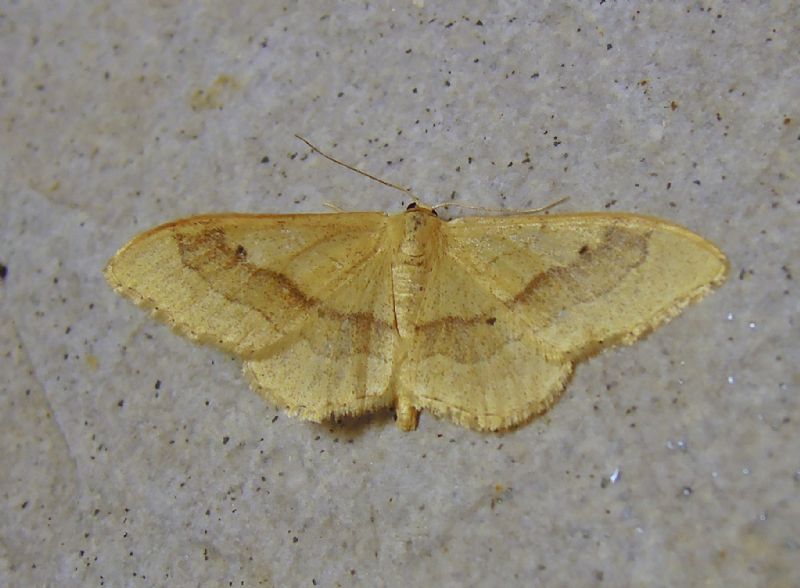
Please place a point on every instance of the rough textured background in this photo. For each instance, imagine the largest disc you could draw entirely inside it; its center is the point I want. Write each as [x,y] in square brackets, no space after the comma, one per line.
[132,457]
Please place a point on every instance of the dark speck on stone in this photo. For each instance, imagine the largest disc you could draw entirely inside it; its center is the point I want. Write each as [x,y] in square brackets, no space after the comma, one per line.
[3,271]
[225,440]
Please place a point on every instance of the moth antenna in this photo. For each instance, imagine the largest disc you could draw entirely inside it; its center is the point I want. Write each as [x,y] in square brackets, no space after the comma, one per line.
[503,210]
[359,171]
[333,207]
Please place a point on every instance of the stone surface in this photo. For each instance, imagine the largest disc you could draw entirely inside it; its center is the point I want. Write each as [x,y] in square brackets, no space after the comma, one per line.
[132,457]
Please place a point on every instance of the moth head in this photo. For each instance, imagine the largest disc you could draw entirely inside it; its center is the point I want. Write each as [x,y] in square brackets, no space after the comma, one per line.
[420,208]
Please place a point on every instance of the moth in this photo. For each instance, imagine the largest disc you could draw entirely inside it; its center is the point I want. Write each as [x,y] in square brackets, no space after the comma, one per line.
[479,319]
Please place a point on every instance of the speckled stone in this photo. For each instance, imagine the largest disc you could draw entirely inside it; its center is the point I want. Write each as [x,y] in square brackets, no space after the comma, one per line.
[132,457]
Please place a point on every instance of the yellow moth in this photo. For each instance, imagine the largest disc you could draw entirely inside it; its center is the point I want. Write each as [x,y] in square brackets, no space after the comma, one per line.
[478,319]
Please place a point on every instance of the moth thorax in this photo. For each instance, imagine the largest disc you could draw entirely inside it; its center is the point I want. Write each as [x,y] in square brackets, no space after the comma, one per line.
[421,233]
